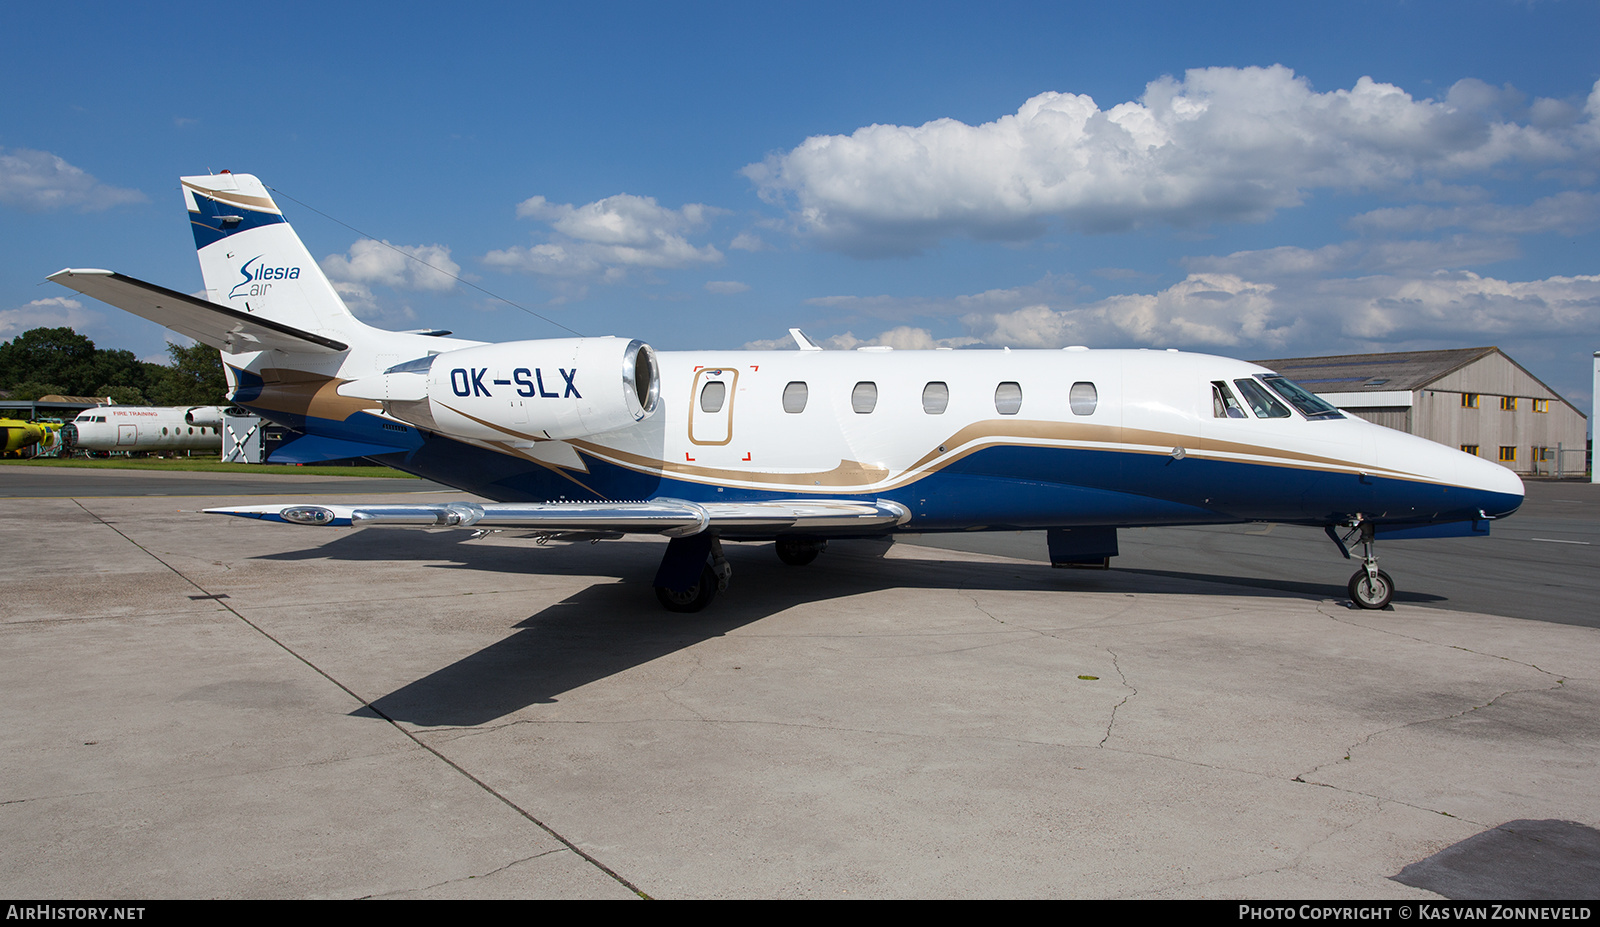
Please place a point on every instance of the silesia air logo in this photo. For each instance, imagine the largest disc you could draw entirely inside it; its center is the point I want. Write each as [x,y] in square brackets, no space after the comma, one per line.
[256,278]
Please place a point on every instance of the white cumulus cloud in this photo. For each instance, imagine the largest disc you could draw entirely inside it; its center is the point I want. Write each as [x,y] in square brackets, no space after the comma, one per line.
[1222,144]
[608,237]
[404,267]
[53,312]
[1567,212]
[1232,315]
[38,181]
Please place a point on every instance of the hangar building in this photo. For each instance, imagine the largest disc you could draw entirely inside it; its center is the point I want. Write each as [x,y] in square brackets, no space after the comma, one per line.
[1476,399]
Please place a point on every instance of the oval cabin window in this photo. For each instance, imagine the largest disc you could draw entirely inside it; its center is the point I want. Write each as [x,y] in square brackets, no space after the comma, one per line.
[794,397]
[712,397]
[1008,398]
[1083,398]
[864,398]
[935,398]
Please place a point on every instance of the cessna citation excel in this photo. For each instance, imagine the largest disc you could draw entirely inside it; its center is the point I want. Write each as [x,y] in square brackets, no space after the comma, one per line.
[594,437]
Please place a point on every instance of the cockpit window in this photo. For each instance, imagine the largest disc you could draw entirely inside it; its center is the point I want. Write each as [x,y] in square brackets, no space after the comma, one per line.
[1261,402]
[1223,404]
[1310,405]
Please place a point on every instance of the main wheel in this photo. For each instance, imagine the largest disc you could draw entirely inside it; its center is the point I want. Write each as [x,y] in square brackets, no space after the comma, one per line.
[799,551]
[693,599]
[1369,593]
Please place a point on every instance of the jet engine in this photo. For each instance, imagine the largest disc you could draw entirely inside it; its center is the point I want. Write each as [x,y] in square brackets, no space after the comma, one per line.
[551,388]
[210,416]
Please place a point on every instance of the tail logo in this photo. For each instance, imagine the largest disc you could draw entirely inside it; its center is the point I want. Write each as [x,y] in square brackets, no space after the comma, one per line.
[255,280]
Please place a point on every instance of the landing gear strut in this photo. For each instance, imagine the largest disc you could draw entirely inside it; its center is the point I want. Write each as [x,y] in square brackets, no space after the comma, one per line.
[1370,587]
[692,573]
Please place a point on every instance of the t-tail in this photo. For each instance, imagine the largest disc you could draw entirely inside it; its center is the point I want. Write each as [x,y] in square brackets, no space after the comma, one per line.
[253,262]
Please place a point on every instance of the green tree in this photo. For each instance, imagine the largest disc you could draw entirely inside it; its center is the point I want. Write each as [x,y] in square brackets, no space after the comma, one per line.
[195,378]
[33,389]
[120,368]
[49,355]
[122,395]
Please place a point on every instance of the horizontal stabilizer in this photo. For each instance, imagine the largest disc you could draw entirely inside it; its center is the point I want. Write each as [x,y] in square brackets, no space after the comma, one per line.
[206,322]
[672,517]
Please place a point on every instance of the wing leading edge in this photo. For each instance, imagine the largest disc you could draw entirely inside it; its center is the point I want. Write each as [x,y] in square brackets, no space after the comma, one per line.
[670,517]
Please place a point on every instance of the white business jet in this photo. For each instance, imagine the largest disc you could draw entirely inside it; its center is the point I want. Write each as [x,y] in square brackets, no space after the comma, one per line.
[602,436]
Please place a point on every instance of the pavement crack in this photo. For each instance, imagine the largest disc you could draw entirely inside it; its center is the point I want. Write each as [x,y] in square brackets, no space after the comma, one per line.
[1111,722]
[407,892]
[1322,608]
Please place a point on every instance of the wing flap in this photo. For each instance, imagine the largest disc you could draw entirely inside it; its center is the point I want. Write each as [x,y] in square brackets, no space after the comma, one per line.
[206,322]
[671,517]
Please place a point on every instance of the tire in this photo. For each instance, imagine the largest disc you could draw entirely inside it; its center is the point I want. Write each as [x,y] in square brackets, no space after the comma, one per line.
[799,551]
[693,599]
[1366,594]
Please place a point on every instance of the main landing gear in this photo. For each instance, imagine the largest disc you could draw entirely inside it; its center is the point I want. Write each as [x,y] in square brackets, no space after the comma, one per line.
[1370,587]
[693,570]
[692,573]
[799,551]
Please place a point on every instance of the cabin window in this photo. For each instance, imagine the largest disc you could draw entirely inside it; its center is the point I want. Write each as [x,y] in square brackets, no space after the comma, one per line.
[1008,398]
[713,395]
[1083,398]
[935,398]
[163,431]
[1261,402]
[864,398]
[1223,403]
[794,397]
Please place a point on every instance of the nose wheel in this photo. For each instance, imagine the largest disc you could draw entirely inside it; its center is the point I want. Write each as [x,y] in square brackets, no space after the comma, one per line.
[1370,587]
[1371,590]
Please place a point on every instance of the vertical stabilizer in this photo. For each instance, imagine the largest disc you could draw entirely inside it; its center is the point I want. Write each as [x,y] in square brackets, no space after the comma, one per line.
[252,261]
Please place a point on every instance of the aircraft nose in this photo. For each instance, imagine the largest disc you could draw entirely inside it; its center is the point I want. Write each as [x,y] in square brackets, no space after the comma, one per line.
[1475,484]
[1502,491]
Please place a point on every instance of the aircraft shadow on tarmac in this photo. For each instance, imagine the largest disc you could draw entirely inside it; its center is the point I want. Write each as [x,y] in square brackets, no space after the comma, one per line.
[610,627]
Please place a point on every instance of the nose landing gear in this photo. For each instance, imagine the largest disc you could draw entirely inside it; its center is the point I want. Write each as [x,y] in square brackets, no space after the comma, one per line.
[1370,587]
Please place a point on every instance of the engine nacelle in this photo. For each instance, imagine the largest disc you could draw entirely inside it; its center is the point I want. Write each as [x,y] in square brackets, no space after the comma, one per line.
[204,415]
[550,388]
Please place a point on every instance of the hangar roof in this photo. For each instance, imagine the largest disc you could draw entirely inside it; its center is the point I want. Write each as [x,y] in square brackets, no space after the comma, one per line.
[1351,373]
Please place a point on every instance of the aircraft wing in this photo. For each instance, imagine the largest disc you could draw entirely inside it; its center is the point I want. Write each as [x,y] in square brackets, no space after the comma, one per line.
[670,517]
[206,322]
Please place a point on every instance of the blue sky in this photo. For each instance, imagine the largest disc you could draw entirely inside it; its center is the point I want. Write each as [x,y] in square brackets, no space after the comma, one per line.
[1269,181]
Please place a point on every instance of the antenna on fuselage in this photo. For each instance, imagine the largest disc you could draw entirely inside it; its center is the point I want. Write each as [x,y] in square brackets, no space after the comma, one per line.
[805,343]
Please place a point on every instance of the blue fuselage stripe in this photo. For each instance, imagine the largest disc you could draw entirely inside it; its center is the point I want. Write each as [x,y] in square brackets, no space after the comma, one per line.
[1003,487]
